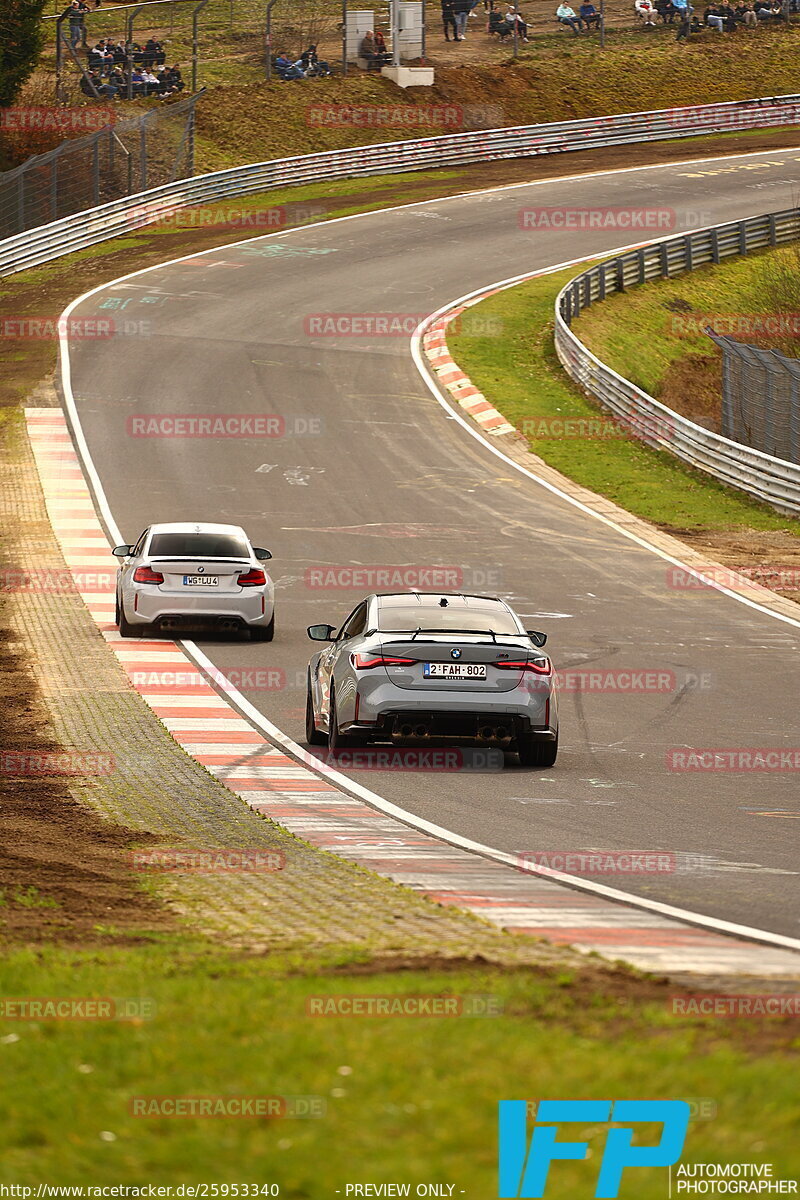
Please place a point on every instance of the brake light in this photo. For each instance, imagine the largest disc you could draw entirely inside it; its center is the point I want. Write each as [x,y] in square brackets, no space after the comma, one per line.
[254,578]
[542,666]
[147,575]
[365,662]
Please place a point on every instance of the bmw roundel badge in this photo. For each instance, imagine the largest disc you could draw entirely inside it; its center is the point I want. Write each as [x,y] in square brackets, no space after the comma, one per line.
[455,653]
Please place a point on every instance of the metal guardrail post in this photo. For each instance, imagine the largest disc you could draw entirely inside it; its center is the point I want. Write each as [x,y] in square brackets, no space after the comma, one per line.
[96,169]
[129,45]
[59,54]
[195,14]
[143,153]
[344,37]
[268,40]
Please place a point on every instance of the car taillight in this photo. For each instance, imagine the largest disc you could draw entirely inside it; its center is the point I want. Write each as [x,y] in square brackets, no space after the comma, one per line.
[147,575]
[542,666]
[364,662]
[254,578]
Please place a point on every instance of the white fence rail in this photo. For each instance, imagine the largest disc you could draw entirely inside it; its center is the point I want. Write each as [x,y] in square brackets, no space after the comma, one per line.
[770,479]
[77,232]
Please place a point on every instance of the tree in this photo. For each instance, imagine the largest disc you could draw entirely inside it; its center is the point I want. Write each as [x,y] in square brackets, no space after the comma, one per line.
[21,40]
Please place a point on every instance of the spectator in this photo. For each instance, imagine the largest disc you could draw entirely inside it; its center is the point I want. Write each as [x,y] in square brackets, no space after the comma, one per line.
[589,15]
[566,16]
[380,45]
[776,12]
[728,14]
[287,69]
[745,15]
[513,14]
[462,11]
[75,13]
[313,65]
[175,79]
[153,54]
[102,89]
[666,10]
[646,12]
[449,20]
[369,50]
[138,86]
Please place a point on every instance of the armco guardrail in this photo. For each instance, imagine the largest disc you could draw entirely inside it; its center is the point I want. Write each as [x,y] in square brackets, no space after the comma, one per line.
[770,479]
[53,240]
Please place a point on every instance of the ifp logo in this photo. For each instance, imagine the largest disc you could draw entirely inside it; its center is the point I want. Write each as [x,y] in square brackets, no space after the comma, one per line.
[523,1172]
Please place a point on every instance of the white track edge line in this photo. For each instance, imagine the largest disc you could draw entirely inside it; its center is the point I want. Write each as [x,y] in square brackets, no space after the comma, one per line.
[263,723]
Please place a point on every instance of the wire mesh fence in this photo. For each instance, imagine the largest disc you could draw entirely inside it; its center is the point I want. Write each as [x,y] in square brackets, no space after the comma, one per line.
[118,160]
[760,398]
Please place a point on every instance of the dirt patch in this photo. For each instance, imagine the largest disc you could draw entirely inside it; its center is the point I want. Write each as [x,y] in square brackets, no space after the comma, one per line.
[769,558]
[692,386]
[63,875]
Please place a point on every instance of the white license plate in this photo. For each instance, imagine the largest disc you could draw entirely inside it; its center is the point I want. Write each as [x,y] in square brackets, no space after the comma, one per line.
[201,581]
[454,670]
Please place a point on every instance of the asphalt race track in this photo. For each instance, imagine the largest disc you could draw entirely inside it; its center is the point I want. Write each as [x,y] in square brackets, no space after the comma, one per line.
[388,479]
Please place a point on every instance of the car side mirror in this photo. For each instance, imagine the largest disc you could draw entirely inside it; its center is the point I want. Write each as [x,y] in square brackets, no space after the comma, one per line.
[262,554]
[121,551]
[537,638]
[321,633]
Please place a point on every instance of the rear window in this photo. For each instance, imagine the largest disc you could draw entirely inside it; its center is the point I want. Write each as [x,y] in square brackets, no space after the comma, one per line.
[198,545]
[401,618]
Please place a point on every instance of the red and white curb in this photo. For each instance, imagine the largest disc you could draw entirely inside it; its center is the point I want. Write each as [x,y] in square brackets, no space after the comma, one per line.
[453,379]
[286,791]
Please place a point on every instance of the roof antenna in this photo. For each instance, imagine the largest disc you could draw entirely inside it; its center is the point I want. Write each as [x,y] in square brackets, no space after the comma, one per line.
[443,603]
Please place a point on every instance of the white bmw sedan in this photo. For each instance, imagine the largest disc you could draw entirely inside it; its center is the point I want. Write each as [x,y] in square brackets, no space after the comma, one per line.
[193,577]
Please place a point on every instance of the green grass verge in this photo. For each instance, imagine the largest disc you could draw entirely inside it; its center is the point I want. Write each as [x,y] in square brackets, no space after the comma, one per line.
[641,333]
[519,372]
[408,1099]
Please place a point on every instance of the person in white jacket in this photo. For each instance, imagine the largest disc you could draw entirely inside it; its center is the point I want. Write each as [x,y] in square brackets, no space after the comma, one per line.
[568,16]
[646,11]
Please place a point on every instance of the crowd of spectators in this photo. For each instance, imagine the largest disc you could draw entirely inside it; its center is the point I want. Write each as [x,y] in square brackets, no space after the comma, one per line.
[727,15]
[115,70]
